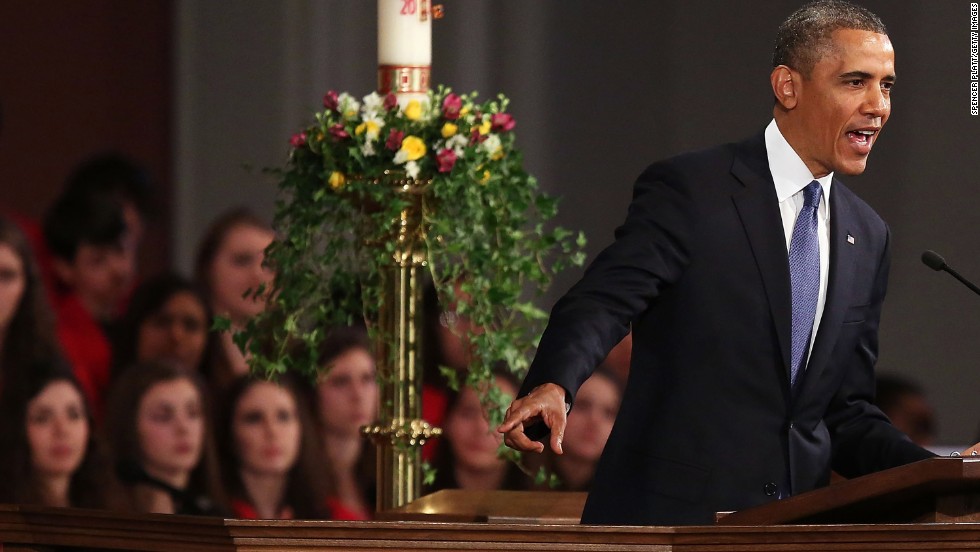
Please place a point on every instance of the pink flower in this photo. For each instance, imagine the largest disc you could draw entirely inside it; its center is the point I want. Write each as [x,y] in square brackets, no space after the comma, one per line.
[298,140]
[330,100]
[338,132]
[394,142]
[447,159]
[451,107]
[391,102]
[476,137]
[502,122]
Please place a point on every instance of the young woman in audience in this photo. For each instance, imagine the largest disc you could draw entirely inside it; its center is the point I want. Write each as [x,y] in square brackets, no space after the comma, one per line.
[467,457]
[588,426]
[446,347]
[168,320]
[26,323]
[347,399]
[50,456]
[159,431]
[230,263]
[273,464]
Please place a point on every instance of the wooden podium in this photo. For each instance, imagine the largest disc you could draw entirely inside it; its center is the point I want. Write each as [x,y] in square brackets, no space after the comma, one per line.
[938,490]
[939,485]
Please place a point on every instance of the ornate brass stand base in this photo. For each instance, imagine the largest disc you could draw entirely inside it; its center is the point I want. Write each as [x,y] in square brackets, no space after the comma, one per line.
[401,432]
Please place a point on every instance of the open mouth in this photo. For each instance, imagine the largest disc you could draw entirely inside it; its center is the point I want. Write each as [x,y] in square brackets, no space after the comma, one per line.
[862,139]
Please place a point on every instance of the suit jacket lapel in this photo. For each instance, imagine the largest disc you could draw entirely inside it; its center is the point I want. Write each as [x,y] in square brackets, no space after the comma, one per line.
[758,210]
[842,254]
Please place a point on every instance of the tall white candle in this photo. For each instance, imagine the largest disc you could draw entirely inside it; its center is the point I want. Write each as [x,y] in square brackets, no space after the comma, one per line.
[404,32]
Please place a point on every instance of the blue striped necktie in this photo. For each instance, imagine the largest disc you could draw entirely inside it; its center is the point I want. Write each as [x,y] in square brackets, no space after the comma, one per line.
[804,274]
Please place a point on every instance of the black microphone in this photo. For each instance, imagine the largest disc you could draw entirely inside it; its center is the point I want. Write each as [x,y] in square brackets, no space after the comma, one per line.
[936,262]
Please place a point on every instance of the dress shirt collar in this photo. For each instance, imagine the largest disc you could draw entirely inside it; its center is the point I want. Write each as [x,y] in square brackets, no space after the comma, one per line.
[789,172]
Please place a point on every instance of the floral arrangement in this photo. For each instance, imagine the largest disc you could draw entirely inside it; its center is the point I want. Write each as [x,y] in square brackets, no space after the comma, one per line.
[484,222]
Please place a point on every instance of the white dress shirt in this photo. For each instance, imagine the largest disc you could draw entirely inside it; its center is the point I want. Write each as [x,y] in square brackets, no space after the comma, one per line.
[790,175]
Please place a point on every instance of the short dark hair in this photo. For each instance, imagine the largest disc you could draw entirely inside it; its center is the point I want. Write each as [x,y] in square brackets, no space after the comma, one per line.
[76,219]
[806,35]
[114,175]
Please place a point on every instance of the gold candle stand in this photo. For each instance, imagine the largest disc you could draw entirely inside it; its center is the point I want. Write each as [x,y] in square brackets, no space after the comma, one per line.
[400,431]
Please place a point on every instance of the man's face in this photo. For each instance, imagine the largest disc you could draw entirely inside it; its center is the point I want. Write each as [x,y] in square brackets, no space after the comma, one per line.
[101,276]
[844,103]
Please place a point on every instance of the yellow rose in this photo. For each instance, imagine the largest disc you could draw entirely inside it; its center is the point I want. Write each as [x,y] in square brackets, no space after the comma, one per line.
[486,177]
[413,110]
[449,130]
[336,180]
[485,127]
[414,148]
[371,127]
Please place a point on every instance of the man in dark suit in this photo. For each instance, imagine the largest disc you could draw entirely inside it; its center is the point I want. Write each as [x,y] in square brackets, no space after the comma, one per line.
[753,281]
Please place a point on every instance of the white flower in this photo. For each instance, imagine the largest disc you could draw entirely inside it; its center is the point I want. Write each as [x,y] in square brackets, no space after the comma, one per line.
[368,149]
[400,157]
[372,105]
[374,126]
[457,143]
[492,144]
[348,106]
[412,169]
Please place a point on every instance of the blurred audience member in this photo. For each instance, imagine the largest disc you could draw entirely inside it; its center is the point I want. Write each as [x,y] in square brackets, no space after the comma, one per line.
[589,423]
[160,436]
[467,458]
[348,400]
[445,348]
[50,456]
[26,325]
[85,234]
[272,460]
[168,320]
[905,403]
[229,265]
[115,176]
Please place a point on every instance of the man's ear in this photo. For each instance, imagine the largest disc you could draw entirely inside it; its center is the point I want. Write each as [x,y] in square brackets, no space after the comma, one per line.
[785,86]
[64,270]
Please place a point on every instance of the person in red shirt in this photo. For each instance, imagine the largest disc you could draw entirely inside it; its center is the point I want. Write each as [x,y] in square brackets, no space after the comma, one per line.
[94,272]
[347,400]
[273,467]
[92,233]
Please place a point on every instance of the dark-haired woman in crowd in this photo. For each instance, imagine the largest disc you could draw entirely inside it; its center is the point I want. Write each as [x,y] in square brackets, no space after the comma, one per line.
[50,456]
[230,263]
[26,324]
[347,399]
[168,320]
[272,461]
[446,347]
[586,431]
[159,431]
[467,457]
